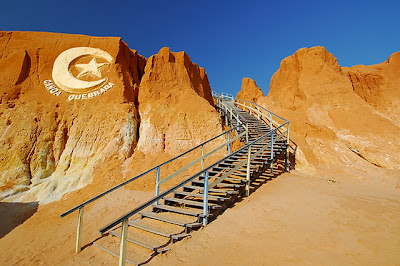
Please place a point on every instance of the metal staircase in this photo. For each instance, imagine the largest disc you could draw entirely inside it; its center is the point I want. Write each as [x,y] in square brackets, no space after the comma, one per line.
[171,215]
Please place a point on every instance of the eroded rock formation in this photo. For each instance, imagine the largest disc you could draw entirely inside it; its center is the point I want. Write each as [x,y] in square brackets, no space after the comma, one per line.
[50,144]
[379,85]
[175,105]
[51,141]
[334,120]
[249,91]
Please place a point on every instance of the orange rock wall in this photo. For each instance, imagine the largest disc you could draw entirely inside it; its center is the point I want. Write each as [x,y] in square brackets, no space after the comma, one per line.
[50,145]
[249,91]
[174,114]
[379,85]
[332,125]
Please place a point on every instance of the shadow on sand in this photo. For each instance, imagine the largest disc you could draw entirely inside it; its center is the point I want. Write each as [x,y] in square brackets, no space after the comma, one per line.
[15,213]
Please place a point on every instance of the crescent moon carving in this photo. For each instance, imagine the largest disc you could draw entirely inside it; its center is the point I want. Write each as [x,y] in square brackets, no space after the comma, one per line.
[64,78]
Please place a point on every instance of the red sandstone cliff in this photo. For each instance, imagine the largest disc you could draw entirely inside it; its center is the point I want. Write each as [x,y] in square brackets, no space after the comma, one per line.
[249,91]
[333,126]
[379,85]
[53,141]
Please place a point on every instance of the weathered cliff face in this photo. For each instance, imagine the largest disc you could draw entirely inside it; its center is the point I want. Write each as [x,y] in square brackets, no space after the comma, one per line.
[69,111]
[333,126]
[249,91]
[379,85]
[50,143]
[174,114]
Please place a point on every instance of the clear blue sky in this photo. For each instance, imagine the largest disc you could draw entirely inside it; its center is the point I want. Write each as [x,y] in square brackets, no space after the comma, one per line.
[230,39]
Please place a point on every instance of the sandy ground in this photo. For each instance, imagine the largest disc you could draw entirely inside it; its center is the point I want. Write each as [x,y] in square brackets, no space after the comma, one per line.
[292,219]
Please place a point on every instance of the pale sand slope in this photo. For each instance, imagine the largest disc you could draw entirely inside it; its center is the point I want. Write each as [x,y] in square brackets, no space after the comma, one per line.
[293,219]
[303,220]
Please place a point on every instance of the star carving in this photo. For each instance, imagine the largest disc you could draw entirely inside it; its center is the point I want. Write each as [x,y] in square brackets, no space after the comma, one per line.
[91,68]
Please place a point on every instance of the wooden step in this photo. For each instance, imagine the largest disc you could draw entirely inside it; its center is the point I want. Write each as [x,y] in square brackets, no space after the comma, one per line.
[174,237]
[219,184]
[227,192]
[192,202]
[144,228]
[115,254]
[155,216]
[240,174]
[198,195]
[186,211]
[230,179]
[155,249]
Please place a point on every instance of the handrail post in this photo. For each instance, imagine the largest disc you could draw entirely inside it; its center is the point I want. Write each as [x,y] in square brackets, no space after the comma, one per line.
[157,184]
[248,172]
[237,122]
[287,167]
[270,121]
[272,152]
[251,106]
[247,132]
[229,145]
[205,202]
[79,231]
[122,251]
[202,154]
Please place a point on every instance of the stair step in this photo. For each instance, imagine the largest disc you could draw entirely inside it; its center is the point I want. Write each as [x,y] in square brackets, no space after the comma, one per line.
[179,236]
[228,192]
[155,216]
[191,212]
[114,254]
[156,249]
[144,228]
[210,197]
[251,163]
[231,179]
[240,173]
[192,202]
[224,167]
[219,184]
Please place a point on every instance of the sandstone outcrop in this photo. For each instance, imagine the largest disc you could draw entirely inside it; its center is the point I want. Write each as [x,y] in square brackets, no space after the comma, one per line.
[175,106]
[332,125]
[49,144]
[249,91]
[53,141]
[174,114]
[379,85]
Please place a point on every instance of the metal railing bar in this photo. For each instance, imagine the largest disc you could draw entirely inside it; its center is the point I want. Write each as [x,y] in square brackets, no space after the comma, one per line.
[230,110]
[264,109]
[280,136]
[138,176]
[237,166]
[272,120]
[200,158]
[149,202]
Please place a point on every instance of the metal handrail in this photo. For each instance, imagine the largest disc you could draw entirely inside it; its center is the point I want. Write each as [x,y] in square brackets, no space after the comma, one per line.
[264,117]
[140,175]
[263,109]
[237,101]
[157,168]
[124,219]
[223,95]
[250,108]
[126,216]
[228,108]
[225,106]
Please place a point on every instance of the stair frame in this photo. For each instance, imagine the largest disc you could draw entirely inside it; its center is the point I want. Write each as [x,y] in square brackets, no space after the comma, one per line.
[265,141]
